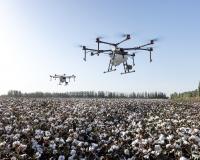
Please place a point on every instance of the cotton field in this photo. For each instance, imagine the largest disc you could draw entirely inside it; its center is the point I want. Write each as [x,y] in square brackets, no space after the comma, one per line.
[67,129]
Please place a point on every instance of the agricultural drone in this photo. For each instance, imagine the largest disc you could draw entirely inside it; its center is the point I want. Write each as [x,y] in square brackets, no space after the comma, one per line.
[119,55]
[62,78]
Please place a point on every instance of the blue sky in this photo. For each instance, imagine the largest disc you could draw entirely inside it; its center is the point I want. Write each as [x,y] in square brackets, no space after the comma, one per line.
[39,38]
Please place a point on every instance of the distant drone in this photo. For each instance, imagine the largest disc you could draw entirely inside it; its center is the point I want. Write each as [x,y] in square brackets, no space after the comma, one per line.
[119,55]
[63,78]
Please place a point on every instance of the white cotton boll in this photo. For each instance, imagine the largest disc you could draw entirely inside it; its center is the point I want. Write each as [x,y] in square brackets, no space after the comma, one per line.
[138,130]
[36,121]
[75,142]
[15,144]
[95,145]
[57,139]
[8,128]
[170,137]
[61,157]
[195,131]
[2,144]
[132,158]
[25,130]
[153,152]
[135,142]
[23,156]
[175,121]
[183,158]
[177,146]
[144,141]
[38,132]
[71,157]
[110,150]
[146,156]
[150,140]
[169,127]
[62,141]
[80,144]
[123,133]
[185,142]
[47,134]
[37,155]
[55,151]
[91,148]
[168,146]
[22,147]
[50,119]
[82,131]
[157,149]
[86,144]
[89,129]
[13,158]
[179,153]
[69,139]
[16,136]
[195,138]
[73,152]
[126,152]
[45,138]
[144,151]
[52,145]
[37,137]
[194,147]
[161,139]
[114,147]
[76,135]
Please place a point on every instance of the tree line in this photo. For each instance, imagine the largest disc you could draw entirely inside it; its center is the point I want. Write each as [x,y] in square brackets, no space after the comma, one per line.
[189,94]
[89,94]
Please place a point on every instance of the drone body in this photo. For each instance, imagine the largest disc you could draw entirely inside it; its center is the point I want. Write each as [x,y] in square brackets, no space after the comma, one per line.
[118,58]
[119,55]
[63,78]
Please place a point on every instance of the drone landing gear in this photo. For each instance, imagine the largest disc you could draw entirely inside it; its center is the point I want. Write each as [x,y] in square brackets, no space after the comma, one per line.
[110,69]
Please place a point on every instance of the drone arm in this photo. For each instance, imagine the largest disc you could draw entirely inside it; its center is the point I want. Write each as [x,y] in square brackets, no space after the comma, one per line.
[126,39]
[112,44]
[139,47]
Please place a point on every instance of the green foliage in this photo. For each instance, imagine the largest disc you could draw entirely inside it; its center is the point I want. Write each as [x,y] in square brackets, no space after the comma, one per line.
[187,95]
[199,89]
[89,94]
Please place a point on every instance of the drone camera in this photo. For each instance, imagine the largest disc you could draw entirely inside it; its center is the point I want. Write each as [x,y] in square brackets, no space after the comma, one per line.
[129,67]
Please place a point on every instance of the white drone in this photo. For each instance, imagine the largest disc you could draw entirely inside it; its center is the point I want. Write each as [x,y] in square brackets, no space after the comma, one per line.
[63,78]
[119,55]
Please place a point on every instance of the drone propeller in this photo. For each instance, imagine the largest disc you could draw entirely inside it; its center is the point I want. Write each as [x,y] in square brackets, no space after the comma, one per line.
[155,40]
[82,46]
[98,38]
[125,35]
